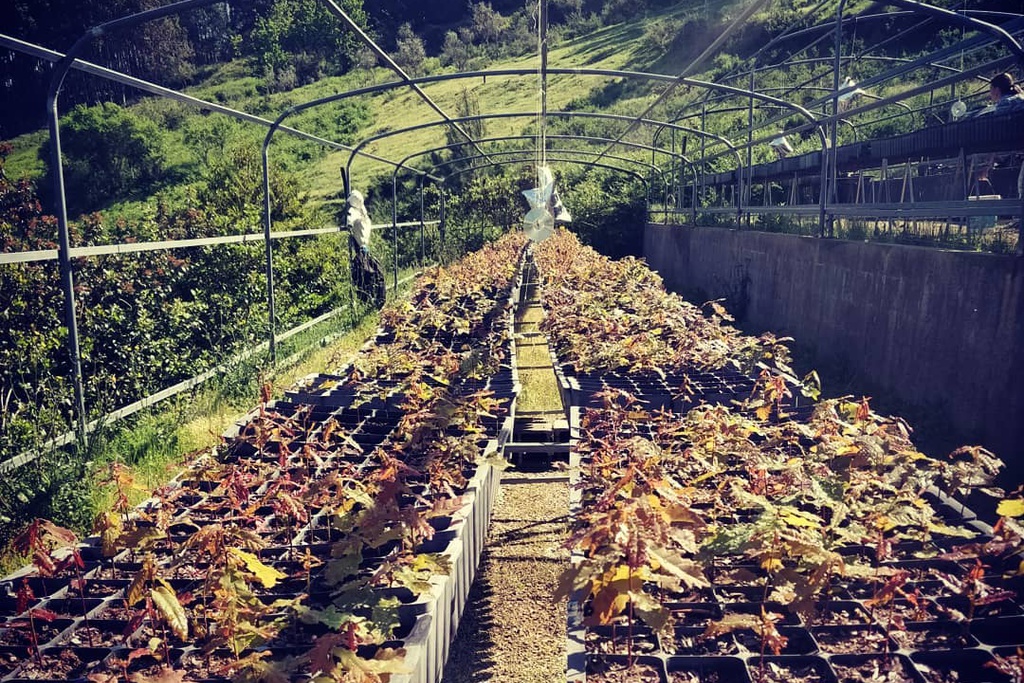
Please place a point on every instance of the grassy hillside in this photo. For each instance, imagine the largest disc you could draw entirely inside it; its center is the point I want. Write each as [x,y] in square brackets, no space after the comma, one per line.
[191,137]
[663,42]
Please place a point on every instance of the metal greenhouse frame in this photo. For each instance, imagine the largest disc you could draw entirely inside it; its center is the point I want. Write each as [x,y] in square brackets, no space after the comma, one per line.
[821,118]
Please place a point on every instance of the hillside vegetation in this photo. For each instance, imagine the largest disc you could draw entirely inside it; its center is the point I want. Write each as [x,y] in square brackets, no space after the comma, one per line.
[145,169]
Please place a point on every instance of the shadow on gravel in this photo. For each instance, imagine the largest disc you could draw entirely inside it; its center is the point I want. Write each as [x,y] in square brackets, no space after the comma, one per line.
[471,659]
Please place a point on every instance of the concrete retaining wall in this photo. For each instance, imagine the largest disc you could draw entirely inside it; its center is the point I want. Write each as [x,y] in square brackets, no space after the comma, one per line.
[927,326]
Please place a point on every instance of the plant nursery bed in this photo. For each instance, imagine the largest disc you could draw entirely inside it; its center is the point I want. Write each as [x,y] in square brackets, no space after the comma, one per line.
[822,545]
[338,536]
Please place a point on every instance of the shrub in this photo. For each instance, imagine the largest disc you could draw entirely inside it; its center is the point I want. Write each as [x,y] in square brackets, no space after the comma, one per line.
[109,152]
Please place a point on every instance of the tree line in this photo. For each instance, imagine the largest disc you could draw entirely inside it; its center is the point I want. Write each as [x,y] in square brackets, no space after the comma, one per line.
[288,42]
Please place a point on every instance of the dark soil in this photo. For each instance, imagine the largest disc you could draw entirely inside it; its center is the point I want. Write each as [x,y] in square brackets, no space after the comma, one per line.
[842,615]
[691,644]
[696,616]
[600,671]
[696,677]
[931,639]
[924,610]
[850,641]
[45,631]
[93,636]
[878,669]
[116,610]
[63,665]
[202,667]
[777,673]
[9,661]
[620,645]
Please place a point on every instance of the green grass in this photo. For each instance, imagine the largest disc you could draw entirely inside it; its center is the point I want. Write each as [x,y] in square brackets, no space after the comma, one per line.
[24,161]
[233,84]
[539,387]
[537,354]
[157,444]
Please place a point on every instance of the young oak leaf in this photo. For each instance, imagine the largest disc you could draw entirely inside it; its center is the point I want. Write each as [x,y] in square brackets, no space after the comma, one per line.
[267,576]
[166,602]
[109,527]
[1010,507]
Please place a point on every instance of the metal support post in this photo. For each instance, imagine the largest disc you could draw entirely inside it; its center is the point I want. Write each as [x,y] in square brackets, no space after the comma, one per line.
[747,183]
[442,227]
[703,151]
[67,277]
[269,253]
[394,220]
[829,160]
[423,247]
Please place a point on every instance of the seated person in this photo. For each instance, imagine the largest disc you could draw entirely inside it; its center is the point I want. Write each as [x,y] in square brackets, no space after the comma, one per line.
[1006,97]
[1006,94]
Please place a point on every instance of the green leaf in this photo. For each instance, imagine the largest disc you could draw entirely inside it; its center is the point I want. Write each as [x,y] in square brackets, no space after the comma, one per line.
[341,568]
[166,603]
[385,616]
[331,617]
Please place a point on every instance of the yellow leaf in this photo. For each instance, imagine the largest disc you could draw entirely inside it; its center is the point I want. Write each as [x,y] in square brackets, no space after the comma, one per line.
[703,477]
[798,518]
[109,526]
[763,412]
[170,609]
[771,564]
[1011,507]
[946,530]
[267,576]
[884,523]
[136,591]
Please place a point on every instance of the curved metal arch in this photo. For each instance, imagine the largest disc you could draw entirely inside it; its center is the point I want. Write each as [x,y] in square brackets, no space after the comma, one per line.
[60,72]
[848,58]
[1001,34]
[579,71]
[508,162]
[904,68]
[576,71]
[579,138]
[506,138]
[559,114]
[829,25]
[927,60]
[654,168]
[394,178]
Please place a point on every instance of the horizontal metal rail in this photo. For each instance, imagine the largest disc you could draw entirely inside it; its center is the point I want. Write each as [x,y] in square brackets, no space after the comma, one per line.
[164,394]
[137,247]
[118,77]
[987,207]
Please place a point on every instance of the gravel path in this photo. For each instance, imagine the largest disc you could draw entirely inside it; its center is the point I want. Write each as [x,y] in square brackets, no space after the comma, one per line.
[513,631]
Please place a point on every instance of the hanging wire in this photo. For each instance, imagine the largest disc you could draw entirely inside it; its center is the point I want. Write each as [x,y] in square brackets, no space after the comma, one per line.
[963,37]
[542,52]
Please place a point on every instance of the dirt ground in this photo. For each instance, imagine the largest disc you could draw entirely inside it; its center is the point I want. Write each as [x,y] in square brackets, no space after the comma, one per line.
[513,630]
